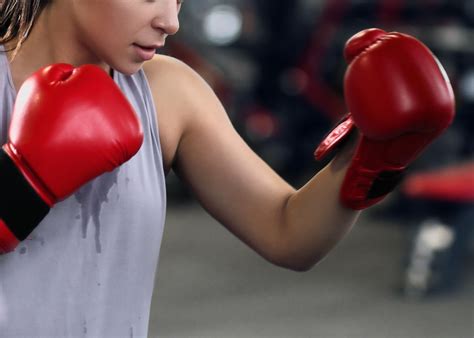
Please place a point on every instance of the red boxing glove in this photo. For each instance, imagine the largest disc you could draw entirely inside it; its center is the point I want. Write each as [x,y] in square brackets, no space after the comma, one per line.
[400,99]
[69,125]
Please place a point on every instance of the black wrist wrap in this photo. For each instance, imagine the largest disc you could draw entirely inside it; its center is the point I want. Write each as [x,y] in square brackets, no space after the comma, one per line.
[384,183]
[21,208]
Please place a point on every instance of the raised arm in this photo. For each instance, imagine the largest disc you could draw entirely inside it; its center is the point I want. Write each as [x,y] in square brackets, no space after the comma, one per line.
[400,101]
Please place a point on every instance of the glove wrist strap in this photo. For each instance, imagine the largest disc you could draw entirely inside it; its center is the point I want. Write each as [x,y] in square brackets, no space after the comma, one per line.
[21,209]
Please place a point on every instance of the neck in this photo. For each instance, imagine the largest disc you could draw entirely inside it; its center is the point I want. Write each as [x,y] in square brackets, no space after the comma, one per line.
[53,39]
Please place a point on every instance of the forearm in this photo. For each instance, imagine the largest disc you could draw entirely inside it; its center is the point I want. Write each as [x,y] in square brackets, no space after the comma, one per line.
[315,220]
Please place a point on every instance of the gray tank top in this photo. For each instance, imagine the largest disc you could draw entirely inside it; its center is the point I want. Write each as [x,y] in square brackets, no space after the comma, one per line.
[88,269]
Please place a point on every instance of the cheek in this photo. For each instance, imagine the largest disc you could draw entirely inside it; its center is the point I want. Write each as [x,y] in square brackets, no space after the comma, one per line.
[108,18]
[119,31]
[108,34]
[109,27]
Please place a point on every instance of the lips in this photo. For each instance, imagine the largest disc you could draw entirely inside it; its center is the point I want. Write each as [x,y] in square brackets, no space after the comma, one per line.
[145,47]
[145,52]
[153,46]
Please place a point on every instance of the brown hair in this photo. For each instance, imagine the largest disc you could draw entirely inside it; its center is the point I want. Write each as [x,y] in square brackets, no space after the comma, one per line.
[16,19]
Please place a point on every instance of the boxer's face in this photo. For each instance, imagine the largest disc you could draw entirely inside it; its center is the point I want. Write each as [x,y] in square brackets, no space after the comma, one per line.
[123,33]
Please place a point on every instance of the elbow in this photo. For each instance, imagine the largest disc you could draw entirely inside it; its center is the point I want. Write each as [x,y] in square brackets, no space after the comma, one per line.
[298,263]
[291,257]
[297,267]
[301,267]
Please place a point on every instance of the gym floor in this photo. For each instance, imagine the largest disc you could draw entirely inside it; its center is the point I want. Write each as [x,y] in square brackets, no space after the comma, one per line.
[209,284]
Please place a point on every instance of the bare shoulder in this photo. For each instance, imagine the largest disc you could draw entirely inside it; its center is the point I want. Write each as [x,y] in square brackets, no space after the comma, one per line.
[168,73]
[163,65]
[182,98]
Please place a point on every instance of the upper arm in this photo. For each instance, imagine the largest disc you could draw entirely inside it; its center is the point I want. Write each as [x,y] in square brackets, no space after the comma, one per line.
[231,182]
[168,111]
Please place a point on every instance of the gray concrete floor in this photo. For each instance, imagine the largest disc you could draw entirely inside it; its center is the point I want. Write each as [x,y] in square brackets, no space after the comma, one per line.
[209,284]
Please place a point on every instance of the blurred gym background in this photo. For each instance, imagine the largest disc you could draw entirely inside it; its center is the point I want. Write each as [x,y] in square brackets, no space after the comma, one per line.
[406,268]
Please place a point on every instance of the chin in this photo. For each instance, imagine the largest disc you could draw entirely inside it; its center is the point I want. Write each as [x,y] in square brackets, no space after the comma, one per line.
[128,68]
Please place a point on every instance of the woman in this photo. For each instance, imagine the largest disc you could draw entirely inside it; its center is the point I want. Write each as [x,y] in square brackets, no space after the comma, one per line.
[88,267]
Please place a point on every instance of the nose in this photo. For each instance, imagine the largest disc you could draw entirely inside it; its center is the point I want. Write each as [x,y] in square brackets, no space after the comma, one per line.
[166,18]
